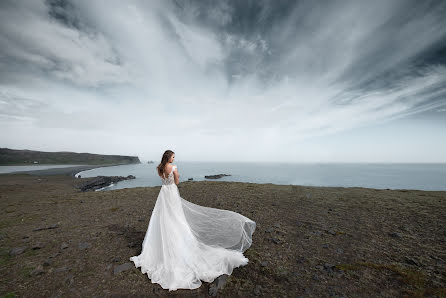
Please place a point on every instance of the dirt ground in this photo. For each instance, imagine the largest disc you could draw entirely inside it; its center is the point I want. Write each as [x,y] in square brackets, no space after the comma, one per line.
[310,241]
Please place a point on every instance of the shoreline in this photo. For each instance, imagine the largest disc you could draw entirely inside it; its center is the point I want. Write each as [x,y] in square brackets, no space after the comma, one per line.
[73,171]
[402,185]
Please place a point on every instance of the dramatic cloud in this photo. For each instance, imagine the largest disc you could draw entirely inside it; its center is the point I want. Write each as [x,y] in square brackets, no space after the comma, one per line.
[225,80]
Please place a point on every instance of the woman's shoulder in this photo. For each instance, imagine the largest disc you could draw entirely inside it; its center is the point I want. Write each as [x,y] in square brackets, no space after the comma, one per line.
[170,166]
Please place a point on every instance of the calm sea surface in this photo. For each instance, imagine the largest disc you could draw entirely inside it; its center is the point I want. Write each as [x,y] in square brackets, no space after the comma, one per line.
[11,169]
[381,176]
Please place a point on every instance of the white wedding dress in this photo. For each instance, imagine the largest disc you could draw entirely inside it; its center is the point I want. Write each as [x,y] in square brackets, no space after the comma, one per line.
[186,243]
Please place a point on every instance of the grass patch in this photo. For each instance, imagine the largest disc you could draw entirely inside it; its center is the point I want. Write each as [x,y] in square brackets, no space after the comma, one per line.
[31,252]
[238,283]
[412,277]
[4,256]
[86,273]
[5,223]
[114,209]
[25,271]
[252,254]
[437,292]
[280,274]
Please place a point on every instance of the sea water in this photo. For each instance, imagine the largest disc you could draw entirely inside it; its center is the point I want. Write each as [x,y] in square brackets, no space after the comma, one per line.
[35,167]
[370,175]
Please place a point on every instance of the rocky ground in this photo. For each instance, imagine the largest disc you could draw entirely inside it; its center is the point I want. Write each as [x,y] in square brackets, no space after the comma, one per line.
[56,241]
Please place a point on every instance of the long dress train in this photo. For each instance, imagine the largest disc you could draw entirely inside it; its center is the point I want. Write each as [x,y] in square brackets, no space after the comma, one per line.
[186,243]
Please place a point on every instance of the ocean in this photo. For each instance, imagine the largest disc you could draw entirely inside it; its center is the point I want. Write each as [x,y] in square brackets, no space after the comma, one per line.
[34,167]
[370,175]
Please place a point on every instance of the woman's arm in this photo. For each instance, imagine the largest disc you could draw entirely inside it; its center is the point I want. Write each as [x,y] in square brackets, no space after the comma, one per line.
[176,176]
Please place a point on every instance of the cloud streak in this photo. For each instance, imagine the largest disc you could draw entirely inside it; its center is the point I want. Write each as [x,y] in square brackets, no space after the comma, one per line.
[263,72]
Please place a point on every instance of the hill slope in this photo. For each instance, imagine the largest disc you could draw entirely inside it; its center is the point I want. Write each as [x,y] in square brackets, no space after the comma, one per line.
[26,157]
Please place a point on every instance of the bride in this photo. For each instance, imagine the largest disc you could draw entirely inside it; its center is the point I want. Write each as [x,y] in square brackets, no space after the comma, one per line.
[187,243]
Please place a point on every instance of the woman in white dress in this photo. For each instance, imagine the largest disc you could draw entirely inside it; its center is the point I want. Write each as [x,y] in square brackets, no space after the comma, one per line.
[187,243]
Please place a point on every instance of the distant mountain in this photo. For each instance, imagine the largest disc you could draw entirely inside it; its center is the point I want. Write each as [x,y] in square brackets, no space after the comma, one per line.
[27,157]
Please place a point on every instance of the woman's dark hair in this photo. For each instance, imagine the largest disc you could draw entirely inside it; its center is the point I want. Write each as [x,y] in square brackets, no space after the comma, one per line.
[164,160]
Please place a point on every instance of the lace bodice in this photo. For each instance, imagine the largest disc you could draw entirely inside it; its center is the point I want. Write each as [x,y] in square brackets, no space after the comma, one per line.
[170,178]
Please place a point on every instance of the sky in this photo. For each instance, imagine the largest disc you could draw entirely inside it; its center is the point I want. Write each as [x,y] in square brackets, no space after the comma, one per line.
[241,81]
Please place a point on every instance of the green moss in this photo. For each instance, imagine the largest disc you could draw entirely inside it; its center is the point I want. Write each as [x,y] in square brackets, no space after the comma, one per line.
[31,252]
[114,209]
[6,223]
[238,283]
[4,251]
[87,273]
[280,273]
[435,292]
[4,256]
[346,267]
[412,277]
[25,271]
[252,254]
[8,295]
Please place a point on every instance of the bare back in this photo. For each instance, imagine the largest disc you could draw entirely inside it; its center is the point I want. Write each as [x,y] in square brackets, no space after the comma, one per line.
[167,170]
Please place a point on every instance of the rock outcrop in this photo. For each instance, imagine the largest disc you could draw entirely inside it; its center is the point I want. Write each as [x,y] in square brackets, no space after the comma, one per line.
[218,176]
[101,182]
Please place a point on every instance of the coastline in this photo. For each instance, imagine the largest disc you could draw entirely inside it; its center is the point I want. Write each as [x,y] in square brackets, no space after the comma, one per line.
[386,179]
[68,171]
